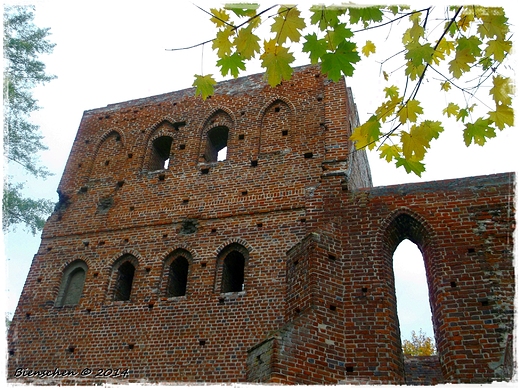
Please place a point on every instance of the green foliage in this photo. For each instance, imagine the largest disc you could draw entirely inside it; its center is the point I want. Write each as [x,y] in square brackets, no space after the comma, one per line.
[23,44]
[419,345]
[464,51]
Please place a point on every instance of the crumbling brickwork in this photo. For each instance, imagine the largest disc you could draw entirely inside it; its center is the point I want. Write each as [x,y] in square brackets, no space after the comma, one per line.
[164,262]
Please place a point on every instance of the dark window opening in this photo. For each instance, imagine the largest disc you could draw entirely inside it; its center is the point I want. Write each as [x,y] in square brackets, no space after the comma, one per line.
[178,277]
[216,146]
[233,273]
[161,149]
[125,277]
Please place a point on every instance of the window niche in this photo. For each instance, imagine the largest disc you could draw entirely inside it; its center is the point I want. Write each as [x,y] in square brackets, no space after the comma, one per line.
[160,153]
[177,277]
[216,144]
[72,284]
[124,278]
[231,271]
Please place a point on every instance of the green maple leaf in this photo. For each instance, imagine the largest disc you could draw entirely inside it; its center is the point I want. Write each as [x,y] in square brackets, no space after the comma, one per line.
[339,34]
[478,132]
[222,43]
[326,16]
[502,116]
[390,152]
[247,43]
[471,44]
[315,47]
[416,167]
[365,14]
[231,64]
[463,114]
[419,54]
[204,85]
[392,91]
[502,90]
[287,24]
[410,111]
[341,60]
[367,134]
[276,60]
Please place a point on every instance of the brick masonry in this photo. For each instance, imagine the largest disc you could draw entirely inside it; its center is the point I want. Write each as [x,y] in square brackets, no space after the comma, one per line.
[291,209]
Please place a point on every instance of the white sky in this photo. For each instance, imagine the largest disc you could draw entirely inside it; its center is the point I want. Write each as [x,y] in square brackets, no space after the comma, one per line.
[112,51]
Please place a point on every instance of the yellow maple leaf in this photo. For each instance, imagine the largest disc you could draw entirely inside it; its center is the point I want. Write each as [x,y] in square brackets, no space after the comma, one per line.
[287,24]
[502,90]
[446,86]
[502,116]
[368,48]
[410,111]
[220,17]
[451,109]
[498,48]
[367,134]
[460,64]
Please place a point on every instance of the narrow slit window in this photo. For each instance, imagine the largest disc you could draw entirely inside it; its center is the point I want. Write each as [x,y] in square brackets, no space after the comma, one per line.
[125,278]
[216,144]
[178,277]
[160,155]
[233,272]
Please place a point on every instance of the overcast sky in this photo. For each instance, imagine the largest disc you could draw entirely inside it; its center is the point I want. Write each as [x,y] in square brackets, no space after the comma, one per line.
[112,51]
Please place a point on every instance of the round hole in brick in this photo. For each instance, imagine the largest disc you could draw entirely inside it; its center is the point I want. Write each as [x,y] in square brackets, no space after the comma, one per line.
[453,284]
[364,289]
[202,342]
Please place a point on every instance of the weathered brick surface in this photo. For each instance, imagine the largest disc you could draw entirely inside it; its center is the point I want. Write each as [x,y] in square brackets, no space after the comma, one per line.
[316,241]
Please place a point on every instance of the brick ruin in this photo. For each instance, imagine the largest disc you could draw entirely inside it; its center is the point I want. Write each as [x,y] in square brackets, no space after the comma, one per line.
[163,262]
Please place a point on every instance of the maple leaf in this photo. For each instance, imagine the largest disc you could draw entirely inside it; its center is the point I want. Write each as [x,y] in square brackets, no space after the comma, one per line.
[368,48]
[462,115]
[410,111]
[388,107]
[339,34]
[392,91]
[365,14]
[502,90]
[315,47]
[326,16]
[390,152]
[445,47]
[419,54]
[416,167]
[276,60]
[465,20]
[502,116]
[204,85]
[247,43]
[221,43]
[471,44]
[414,33]
[498,48]
[478,132]
[446,86]
[220,17]
[367,134]
[231,64]
[460,63]
[494,23]
[287,24]
[414,71]
[417,141]
[452,109]
[341,60]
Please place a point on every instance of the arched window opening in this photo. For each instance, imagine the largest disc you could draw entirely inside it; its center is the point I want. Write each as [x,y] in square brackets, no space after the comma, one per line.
[72,284]
[233,272]
[178,277]
[160,157]
[216,144]
[125,278]
[413,303]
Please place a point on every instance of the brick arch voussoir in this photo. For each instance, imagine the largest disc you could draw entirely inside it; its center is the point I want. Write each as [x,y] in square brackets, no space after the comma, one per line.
[207,125]
[233,241]
[424,233]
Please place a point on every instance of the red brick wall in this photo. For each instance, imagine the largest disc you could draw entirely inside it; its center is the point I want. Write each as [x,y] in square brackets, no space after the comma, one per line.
[318,304]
